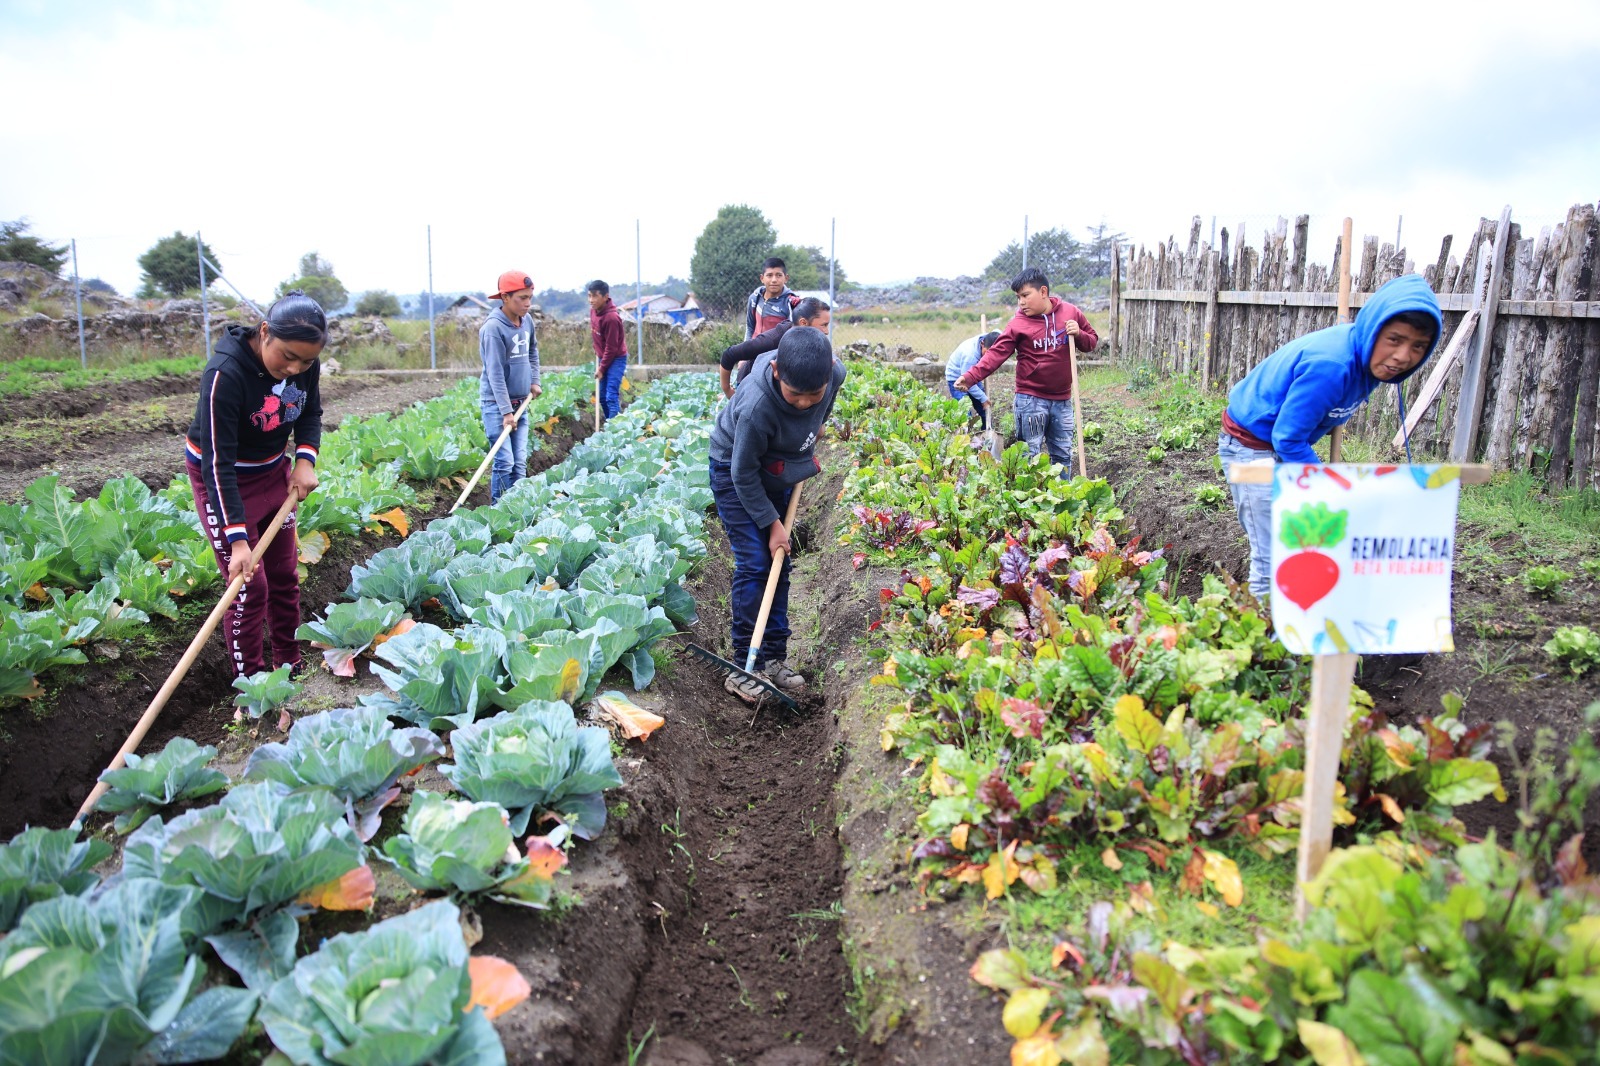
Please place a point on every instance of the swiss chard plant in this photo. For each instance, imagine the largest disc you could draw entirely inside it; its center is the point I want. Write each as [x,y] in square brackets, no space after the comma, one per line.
[536,758]
[178,773]
[353,753]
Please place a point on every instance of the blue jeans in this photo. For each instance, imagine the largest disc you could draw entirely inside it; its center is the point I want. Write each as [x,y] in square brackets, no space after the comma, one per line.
[1254,504]
[751,565]
[511,461]
[1046,424]
[611,387]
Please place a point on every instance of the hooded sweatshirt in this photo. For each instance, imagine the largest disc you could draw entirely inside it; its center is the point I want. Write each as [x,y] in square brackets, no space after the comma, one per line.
[767,441]
[510,354]
[605,329]
[1313,383]
[242,423]
[762,312]
[1040,342]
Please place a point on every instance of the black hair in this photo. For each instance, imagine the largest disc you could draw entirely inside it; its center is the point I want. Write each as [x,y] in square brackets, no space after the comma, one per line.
[1032,276]
[810,308]
[988,338]
[1420,321]
[600,287]
[773,261]
[804,359]
[297,317]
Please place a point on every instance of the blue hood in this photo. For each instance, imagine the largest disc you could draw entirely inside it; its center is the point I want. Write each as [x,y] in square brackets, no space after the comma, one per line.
[1316,382]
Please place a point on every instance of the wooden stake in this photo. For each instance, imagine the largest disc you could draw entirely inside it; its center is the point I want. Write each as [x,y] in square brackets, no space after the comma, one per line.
[1475,368]
[1331,677]
[1436,377]
[170,686]
[1077,405]
[487,459]
[1336,443]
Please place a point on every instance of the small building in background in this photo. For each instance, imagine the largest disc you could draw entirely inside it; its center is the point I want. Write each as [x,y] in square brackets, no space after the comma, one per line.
[468,306]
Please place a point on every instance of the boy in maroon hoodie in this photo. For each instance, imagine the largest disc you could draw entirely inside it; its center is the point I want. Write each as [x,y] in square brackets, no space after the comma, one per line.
[1038,333]
[610,346]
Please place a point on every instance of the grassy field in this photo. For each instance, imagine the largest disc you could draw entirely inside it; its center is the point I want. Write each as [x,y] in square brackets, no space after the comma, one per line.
[934,333]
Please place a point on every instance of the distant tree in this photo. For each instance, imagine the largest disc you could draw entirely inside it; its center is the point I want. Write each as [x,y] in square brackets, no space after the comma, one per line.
[726,263]
[808,266]
[1098,251]
[379,302]
[17,245]
[170,266]
[1055,251]
[97,285]
[317,281]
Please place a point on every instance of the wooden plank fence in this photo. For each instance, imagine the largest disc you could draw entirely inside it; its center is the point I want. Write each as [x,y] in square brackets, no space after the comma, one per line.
[1521,386]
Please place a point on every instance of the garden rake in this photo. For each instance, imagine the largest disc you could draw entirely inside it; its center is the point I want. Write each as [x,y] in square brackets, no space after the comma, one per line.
[748,671]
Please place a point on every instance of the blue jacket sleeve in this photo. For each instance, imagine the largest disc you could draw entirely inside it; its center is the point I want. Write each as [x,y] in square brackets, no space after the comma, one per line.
[1315,390]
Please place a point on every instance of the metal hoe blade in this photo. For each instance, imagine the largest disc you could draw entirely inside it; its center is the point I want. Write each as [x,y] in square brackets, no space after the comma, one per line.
[767,687]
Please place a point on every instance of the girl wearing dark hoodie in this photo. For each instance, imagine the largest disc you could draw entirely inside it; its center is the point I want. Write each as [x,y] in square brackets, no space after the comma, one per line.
[259,386]
[1295,396]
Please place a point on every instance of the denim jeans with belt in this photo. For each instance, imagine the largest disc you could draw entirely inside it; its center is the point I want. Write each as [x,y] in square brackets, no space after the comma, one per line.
[510,463]
[1046,425]
[751,564]
[1254,504]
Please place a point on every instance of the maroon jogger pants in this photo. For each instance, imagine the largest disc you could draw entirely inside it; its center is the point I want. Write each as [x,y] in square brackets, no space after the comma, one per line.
[273,593]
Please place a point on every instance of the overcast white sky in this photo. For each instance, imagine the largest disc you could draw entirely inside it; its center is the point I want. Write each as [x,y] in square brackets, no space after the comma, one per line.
[532,135]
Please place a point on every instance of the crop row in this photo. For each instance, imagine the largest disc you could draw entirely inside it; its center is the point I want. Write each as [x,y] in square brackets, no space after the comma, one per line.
[72,572]
[78,974]
[1054,696]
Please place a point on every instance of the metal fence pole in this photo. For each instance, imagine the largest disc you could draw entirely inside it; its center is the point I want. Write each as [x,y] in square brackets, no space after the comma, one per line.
[1398,222]
[217,273]
[77,292]
[638,290]
[433,352]
[205,305]
[833,247]
[1024,242]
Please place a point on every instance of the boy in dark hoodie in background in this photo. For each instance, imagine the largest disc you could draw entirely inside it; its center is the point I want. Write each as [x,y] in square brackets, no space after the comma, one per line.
[763,446]
[610,346]
[1312,384]
[1038,333]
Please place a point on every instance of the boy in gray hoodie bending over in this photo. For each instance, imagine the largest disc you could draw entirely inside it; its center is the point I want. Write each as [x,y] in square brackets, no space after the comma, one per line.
[761,448]
[510,354]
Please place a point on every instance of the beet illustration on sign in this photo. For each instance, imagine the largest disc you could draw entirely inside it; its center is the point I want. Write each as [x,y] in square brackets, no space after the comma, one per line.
[1308,575]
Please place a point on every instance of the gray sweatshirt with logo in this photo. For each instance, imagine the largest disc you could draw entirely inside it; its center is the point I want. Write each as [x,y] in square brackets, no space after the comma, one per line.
[510,354]
[767,441]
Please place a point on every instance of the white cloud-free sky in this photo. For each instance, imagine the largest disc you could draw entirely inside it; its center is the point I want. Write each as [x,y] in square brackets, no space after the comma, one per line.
[532,135]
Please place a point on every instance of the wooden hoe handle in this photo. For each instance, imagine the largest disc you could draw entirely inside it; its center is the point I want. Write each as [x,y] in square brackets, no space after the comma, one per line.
[487,459]
[776,572]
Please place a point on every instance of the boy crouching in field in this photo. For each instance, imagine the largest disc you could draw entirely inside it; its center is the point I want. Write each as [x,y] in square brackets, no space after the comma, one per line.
[762,447]
[1314,383]
[1038,333]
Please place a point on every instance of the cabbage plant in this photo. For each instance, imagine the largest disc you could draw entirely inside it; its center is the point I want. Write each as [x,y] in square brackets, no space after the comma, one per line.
[457,846]
[177,773]
[40,864]
[536,757]
[398,993]
[354,753]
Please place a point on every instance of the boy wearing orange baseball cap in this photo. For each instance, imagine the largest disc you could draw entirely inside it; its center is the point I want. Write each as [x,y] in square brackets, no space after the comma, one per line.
[510,354]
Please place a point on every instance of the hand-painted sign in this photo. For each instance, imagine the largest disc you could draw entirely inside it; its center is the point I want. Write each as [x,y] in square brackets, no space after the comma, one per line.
[1361,557]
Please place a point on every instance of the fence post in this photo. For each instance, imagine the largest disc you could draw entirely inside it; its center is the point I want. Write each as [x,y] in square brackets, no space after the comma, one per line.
[433,352]
[1024,242]
[1336,438]
[1474,376]
[1116,301]
[833,245]
[205,304]
[638,291]
[217,273]
[77,292]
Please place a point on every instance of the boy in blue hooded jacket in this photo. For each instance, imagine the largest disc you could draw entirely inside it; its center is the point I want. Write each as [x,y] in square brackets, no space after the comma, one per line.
[1312,384]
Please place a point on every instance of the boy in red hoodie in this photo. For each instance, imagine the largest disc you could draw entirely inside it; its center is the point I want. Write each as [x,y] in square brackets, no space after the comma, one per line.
[1038,333]
[610,346]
